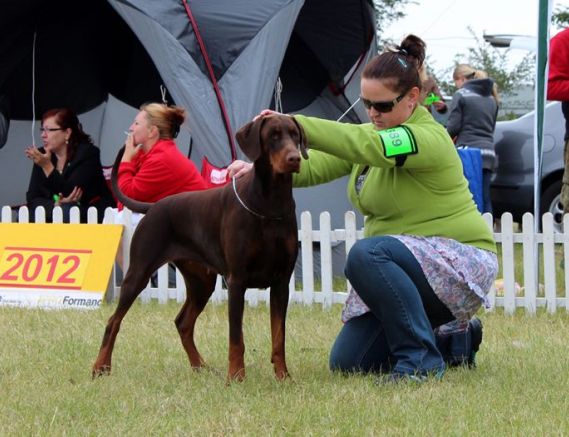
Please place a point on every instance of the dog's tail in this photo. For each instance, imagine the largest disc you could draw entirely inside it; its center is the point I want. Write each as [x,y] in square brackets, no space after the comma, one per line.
[133,205]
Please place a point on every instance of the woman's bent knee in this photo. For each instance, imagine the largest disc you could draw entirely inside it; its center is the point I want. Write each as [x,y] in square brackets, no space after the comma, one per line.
[363,249]
[341,362]
[360,255]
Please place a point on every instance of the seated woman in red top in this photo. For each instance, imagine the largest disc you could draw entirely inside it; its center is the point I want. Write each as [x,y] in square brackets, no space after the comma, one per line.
[152,166]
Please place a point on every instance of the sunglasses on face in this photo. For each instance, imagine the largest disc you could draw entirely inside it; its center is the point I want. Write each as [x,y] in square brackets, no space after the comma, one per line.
[382,107]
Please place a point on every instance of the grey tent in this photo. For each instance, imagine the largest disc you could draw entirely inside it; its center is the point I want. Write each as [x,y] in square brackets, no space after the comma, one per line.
[220,59]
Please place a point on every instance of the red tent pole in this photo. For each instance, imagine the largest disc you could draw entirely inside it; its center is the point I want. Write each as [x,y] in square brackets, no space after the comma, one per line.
[213,79]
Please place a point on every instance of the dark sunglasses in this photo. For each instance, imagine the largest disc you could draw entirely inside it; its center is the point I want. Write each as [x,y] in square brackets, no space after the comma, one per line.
[383,107]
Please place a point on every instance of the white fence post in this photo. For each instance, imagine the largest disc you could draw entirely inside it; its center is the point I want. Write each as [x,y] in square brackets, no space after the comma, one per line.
[180,287]
[491,296]
[549,279]
[530,257]
[56,215]
[219,294]
[307,257]
[92,215]
[74,215]
[351,236]
[112,288]
[6,215]
[326,259]
[24,213]
[508,263]
[162,286]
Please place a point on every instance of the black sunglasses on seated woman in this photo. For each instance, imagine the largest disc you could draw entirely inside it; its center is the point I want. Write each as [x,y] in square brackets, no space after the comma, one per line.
[382,107]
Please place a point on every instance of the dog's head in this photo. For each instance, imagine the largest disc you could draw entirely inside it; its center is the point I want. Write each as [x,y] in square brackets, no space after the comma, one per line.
[279,138]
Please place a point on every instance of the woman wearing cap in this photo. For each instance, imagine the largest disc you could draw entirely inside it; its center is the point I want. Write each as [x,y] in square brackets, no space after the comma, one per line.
[67,170]
[428,257]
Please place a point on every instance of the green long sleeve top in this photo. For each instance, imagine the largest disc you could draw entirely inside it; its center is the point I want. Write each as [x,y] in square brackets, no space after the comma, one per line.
[427,195]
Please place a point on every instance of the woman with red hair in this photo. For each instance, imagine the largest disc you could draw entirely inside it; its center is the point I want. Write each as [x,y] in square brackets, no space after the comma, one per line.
[67,170]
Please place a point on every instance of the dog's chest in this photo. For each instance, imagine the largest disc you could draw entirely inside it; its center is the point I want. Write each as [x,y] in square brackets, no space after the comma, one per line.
[271,255]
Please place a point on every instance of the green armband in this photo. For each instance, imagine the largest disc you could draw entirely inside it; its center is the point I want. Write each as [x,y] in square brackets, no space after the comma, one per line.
[430,99]
[398,143]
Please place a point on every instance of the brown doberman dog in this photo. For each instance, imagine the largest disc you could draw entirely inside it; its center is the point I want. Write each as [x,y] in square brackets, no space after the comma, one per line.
[245,231]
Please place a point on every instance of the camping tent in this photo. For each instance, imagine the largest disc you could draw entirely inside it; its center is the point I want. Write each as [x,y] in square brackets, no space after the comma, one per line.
[220,59]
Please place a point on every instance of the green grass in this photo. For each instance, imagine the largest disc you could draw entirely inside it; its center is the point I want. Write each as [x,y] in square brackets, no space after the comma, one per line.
[519,388]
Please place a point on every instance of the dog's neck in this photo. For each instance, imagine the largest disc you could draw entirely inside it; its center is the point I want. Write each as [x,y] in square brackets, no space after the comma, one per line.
[266,194]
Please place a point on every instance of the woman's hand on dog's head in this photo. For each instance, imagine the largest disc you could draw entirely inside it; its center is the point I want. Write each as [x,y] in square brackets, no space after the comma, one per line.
[264,113]
[239,168]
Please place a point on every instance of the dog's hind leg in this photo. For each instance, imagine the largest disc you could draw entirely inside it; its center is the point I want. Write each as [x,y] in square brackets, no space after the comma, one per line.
[133,284]
[200,283]
[279,304]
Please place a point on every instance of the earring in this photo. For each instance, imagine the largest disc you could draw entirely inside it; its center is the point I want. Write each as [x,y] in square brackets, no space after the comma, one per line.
[66,141]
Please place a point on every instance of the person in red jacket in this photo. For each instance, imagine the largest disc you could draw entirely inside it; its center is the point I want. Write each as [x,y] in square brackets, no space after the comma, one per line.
[152,166]
[558,89]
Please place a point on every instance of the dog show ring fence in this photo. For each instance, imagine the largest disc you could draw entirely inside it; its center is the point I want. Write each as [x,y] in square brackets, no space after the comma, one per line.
[532,264]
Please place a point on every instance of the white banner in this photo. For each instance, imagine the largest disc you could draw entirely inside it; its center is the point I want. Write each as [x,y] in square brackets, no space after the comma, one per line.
[52,299]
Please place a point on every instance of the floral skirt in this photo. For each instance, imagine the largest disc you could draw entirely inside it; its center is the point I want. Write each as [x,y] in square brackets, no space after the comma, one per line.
[460,275]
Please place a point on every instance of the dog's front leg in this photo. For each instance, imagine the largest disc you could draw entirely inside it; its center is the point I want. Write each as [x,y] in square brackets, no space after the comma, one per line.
[236,370]
[279,304]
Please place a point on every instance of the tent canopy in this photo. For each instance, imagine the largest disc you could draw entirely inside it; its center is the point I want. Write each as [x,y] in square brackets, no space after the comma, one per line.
[66,55]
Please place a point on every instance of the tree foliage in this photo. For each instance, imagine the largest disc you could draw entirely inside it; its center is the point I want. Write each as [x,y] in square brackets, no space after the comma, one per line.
[560,17]
[495,62]
[387,12]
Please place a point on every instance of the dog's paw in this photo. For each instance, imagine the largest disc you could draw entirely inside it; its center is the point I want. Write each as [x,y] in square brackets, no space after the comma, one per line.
[196,361]
[100,371]
[282,374]
[199,367]
[235,376]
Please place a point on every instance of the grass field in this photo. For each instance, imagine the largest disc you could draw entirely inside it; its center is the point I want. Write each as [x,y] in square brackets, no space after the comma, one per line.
[519,388]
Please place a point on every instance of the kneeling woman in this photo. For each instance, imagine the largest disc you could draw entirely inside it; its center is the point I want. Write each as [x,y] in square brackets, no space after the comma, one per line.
[428,258]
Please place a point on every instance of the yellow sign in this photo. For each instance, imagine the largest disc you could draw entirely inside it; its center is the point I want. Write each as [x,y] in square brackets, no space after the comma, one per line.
[56,265]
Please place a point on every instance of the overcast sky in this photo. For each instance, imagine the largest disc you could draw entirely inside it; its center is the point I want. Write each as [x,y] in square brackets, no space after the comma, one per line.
[443,24]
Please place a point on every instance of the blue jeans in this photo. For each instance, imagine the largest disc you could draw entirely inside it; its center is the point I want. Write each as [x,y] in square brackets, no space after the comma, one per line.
[397,335]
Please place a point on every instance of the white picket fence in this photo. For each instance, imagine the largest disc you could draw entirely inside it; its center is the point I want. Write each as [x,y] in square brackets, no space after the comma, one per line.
[542,255]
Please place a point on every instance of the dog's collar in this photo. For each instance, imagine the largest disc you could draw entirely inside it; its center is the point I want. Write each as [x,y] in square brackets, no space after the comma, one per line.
[249,209]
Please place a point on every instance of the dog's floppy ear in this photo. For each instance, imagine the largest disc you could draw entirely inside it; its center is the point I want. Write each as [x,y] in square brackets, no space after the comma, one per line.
[249,138]
[303,143]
